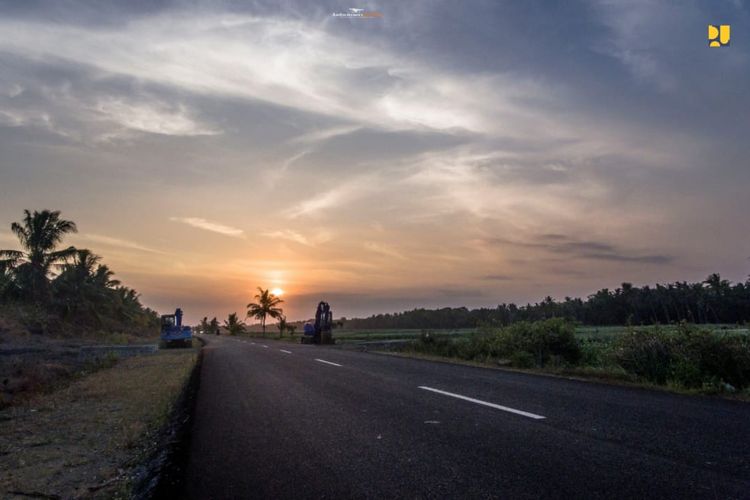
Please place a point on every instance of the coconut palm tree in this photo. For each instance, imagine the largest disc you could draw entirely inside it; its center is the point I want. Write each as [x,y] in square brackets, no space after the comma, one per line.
[265,306]
[83,285]
[39,233]
[233,325]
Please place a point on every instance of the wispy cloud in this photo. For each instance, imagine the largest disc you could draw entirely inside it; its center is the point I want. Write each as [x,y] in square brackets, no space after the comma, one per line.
[153,117]
[497,277]
[325,134]
[319,72]
[207,225]
[572,248]
[385,250]
[340,195]
[289,235]
[117,242]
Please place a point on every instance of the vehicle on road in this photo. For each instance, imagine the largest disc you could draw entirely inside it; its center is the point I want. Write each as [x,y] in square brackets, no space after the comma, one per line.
[173,332]
[320,332]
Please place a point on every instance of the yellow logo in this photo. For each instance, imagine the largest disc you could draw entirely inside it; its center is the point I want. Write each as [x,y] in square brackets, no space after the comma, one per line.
[718,36]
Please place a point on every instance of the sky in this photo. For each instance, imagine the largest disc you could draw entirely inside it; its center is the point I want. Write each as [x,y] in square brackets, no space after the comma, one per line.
[441,154]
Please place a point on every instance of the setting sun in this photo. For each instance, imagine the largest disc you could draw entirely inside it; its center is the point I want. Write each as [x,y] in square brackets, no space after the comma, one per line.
[278,292]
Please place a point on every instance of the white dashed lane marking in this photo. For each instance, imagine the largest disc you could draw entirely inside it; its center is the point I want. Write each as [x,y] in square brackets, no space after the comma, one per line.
[484,403]
[326,362]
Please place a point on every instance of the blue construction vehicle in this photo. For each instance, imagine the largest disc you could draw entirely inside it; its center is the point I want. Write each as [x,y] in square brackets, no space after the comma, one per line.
[173,333]
[320,332]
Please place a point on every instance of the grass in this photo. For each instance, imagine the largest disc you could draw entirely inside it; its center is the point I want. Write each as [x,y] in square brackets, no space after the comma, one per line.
[84,439]
[603,333]
[685,358]
[613,332]
[348,335]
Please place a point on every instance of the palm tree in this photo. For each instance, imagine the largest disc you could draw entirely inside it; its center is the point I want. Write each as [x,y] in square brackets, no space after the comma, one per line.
[84,285]
[39,233]
[7,283]
[282,326]
[234,325]
[264,306]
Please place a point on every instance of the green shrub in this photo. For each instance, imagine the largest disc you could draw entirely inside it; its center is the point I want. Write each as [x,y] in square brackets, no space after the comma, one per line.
[525,344]
[715,359]
[689,357]
[429,343]
[545,341]
[522,359]
[645,353]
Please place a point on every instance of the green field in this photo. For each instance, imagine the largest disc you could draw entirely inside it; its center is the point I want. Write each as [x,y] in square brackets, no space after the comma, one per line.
[347,335]
[589,333]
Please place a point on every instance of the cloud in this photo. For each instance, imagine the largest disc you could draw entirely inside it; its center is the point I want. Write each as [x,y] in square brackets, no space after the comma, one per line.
[206,225]
[324,134]
[320,236]
[558,244]
[340,195]
[641,259]
[117,242]
[153,117]
[638,36]
[282,61]
[80,104]
[385,250]
[497,277]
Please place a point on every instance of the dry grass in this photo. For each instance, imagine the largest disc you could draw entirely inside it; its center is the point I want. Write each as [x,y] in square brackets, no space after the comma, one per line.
[80,441]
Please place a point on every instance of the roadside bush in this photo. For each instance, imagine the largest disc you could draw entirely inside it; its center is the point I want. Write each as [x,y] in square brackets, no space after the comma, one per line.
[428,343]
[524,344]
[595,353]
[479,347]
[552,340]
[646,353]
[703,357]
[522,359]
[689,357]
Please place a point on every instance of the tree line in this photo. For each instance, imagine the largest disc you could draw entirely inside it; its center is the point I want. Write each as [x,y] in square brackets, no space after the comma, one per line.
[59,286]
[266,305]
[713,300]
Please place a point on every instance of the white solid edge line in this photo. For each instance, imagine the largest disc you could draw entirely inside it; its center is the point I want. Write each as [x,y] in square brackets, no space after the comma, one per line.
[485,403]
[327,362]
[284,350]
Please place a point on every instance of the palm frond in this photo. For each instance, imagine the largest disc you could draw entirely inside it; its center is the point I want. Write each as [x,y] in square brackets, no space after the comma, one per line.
[14,255]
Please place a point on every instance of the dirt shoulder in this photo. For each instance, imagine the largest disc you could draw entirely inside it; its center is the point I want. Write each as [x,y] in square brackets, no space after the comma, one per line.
[85,440]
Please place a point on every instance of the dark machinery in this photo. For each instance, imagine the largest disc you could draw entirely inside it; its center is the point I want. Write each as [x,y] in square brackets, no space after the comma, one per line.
[173,332]
[320,332]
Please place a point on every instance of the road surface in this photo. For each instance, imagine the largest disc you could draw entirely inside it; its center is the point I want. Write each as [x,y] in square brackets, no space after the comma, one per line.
[276,420]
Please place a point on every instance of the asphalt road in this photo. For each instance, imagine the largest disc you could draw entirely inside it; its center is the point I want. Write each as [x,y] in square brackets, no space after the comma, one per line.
[320,422]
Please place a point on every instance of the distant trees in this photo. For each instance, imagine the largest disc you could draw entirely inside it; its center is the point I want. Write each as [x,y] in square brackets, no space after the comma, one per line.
[70,284]
[265,305]
[233,325]
[214,325]
[713,300]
